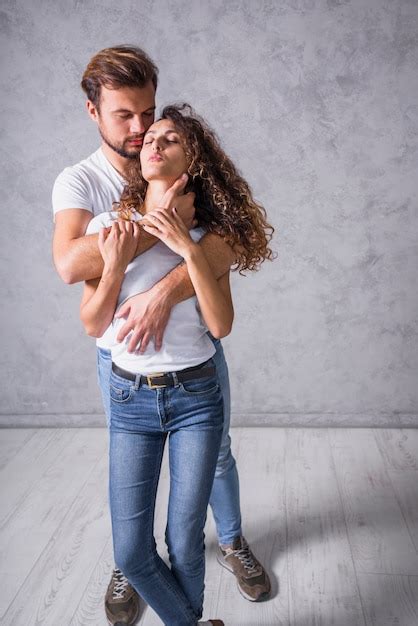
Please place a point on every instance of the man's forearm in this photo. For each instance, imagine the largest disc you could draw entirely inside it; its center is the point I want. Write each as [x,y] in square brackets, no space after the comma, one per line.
[81,259]
[177,285]
[78,259]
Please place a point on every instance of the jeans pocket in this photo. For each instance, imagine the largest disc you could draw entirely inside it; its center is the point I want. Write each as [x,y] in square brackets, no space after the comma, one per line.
[200,386]
[121,390]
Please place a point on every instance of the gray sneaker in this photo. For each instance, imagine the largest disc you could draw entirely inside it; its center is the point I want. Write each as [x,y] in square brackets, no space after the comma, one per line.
[121,601]
[252,579]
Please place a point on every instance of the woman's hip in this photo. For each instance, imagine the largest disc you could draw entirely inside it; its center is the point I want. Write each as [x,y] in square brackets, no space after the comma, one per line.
[187,398]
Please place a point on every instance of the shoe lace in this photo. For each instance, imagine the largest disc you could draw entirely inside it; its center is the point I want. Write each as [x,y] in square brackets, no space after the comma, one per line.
[120,585]
[247,559]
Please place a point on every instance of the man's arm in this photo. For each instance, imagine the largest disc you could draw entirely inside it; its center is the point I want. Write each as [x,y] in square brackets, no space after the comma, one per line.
[177,286]
[148,313]
[76,255]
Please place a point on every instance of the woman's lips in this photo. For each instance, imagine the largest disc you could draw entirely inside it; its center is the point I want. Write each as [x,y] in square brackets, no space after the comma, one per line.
[155,157]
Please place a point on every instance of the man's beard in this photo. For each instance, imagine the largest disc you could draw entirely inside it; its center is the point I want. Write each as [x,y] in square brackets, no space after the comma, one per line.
[120,149]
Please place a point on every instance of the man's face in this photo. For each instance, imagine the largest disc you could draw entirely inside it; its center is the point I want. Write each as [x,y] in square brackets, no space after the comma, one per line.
[124,116]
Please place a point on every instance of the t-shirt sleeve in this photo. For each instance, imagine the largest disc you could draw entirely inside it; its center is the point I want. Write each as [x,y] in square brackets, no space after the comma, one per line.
[197,233]
[71,191]
[103,220]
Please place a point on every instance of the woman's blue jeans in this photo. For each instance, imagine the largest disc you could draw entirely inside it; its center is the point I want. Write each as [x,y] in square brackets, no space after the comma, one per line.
[224,498]
[190,416]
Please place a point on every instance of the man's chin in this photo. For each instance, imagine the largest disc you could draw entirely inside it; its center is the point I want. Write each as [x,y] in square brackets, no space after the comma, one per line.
[122,150]
[131,154]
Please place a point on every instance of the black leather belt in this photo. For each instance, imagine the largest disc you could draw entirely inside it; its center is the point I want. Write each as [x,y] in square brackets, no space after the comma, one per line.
[168,379]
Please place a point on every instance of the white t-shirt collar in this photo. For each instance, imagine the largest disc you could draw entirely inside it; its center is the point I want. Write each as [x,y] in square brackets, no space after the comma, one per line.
[109,165]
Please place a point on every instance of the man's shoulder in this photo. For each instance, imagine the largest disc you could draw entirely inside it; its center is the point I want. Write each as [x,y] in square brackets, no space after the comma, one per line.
[92,184]
[76,186]
[86,170]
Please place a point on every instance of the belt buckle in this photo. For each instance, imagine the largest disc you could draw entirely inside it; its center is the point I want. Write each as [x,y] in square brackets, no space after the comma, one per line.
[152,385]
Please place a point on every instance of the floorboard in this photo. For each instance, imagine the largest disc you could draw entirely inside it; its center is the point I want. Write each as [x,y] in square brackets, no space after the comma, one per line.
[332,513]
[322,581]
[390,600]
[379,537]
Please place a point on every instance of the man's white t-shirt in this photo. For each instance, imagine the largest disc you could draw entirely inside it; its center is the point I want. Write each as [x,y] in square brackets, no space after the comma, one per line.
[92,184]
[185,341]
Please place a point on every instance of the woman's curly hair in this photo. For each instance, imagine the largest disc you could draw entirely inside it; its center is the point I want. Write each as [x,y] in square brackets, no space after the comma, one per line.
[224,202]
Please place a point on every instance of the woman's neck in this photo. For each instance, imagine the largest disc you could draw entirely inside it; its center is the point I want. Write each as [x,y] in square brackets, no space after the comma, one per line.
[155,192]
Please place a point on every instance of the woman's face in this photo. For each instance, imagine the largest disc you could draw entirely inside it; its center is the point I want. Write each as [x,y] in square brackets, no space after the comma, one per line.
[162,154]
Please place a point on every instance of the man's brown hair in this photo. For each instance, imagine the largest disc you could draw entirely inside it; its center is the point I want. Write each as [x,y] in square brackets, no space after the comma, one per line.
[120,66]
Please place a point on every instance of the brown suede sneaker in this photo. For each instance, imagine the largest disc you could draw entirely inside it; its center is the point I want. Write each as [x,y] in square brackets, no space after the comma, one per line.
[252,579]
[121,601]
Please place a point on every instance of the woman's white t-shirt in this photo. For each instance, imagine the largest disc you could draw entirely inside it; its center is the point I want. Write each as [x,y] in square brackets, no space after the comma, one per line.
[185,341]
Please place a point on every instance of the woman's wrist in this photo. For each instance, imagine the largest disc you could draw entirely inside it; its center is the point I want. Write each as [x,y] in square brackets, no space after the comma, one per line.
[112,270]
[192,252]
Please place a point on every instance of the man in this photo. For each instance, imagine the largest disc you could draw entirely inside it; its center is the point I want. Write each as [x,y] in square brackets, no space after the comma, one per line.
[120,85]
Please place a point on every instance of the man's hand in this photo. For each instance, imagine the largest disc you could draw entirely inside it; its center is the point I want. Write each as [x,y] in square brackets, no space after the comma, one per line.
[146,315]
[185,209]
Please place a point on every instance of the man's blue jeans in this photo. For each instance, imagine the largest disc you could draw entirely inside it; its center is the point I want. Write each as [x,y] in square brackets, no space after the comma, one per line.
[224,498]
[190,416]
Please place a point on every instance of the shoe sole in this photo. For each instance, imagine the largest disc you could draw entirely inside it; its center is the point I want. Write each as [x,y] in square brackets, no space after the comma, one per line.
[261,597]
[124,623]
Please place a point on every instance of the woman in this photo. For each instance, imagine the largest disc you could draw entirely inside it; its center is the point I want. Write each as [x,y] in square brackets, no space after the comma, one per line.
[174,391]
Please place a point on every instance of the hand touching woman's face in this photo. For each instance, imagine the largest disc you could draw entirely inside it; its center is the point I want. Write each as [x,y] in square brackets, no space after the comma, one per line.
[162,154]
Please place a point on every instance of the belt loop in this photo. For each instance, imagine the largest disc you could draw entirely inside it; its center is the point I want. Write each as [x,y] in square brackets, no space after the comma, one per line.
[175,379]
[137,382]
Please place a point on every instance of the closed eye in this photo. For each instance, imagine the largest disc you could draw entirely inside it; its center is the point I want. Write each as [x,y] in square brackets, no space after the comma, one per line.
[146,143]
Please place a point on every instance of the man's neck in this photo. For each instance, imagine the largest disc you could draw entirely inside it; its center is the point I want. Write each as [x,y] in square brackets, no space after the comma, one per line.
[120,163]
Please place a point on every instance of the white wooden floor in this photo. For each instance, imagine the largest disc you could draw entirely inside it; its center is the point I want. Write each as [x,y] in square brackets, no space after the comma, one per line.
[332,513]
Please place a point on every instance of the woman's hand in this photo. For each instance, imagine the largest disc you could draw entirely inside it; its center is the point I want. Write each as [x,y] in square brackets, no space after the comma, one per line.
[118,244]
[171,230]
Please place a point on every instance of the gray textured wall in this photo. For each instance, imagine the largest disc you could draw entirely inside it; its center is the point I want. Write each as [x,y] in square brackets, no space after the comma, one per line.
[316,101]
